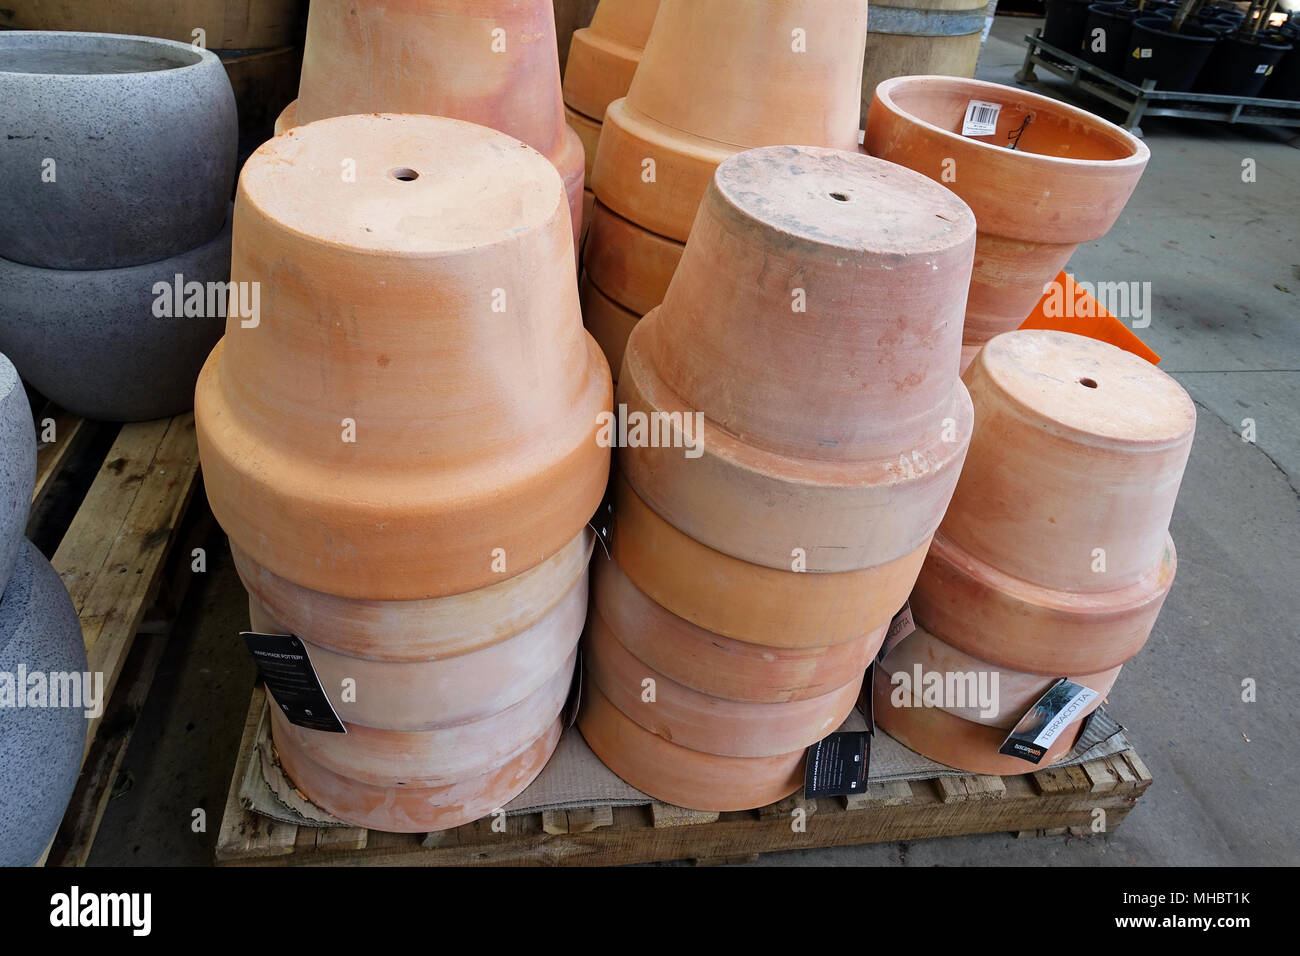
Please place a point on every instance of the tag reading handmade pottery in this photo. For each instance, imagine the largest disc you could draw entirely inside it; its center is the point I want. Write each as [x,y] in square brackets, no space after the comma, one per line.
[837,765]
[286,669]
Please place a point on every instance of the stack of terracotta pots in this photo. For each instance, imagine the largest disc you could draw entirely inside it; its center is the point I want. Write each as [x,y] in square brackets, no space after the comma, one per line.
[491,62]
[715,78]
[1054,557]
[1048,178]
[404,454]
[41,741]
[602,61]
[801,376]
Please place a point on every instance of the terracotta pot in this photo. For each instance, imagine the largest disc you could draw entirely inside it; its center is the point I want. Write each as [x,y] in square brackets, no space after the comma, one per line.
[426,695]
[630,265]
[1054,556]
[475,430]
[749,602]
[1010,697]
[445,58]
[412,809]
[1065,183]
[608,322]
[717,665]
[603,57]
[437,757]
[962,744]
[831,431]
[703,722]
[678,775]
[588,131]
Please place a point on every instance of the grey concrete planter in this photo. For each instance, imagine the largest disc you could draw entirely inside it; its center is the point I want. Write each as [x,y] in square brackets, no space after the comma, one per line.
[17,465]
[139,135]
[91,341]
[40,747]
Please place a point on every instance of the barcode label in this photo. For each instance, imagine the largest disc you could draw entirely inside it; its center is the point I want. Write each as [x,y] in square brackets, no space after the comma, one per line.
[981,118]
[1262,68]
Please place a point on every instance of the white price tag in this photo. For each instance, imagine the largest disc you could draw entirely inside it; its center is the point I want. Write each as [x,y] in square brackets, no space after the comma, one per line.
[981,118]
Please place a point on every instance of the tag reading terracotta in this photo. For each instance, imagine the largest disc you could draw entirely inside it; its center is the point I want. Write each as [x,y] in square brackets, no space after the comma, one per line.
[900,627]
[1047,719]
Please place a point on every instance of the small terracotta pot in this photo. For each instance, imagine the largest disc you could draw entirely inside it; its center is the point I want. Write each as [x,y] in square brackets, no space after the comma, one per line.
[1065,183]
[831,431]
[717,665]
[678,775]
[1015,691]
[438,757]
[412,809]
[415,414]
[962,744]
[749,602]
[588,131]
[603,57]
[608,322]
[631,265]
[491,62]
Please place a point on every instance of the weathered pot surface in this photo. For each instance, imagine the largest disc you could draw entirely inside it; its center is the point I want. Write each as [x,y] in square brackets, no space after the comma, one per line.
[444,277]
[603,57]
[1066,181]
[119,150]
[17,466]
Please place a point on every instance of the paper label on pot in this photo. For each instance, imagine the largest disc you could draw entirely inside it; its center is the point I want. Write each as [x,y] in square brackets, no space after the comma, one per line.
[1056,710]
[602,522]
[900,627]
[837,765]
[285,667]
[1263,68]
[981,118]
[1142,53]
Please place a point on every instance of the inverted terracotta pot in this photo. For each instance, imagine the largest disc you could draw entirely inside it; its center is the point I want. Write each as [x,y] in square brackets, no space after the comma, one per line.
[828,430]
[1078,446]
[425,630]
[429,312]
[608,322]
[435,758]
[1065,183]
[678,775]
[1012,695]
[491,62]
[412,809]
[425,695]
[603,57]
[961,744]
[588,131]
[703,722]
[749,602]
[1003,619]
[631,265]
[717,665]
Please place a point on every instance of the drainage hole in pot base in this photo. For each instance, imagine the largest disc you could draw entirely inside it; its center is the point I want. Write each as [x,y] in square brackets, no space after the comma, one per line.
[840,197]
[404,175]
[1088,383]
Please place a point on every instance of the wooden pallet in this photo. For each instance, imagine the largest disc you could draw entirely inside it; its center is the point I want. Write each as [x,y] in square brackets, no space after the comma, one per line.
[1048,801]
[125,560]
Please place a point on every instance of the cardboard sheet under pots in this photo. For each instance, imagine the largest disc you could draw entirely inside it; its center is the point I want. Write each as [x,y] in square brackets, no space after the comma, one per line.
[1065,183]
[422,386]
[40,746]
[117,344]
[491,62]
[1173,59]
[119,150]
[17,466]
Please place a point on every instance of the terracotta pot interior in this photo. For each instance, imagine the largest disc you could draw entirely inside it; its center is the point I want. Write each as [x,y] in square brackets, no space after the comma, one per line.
[1049,132]
[75,54]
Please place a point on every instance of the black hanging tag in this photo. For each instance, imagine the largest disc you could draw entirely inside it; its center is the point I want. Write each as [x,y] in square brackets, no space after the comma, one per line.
[286,670]
[837,765]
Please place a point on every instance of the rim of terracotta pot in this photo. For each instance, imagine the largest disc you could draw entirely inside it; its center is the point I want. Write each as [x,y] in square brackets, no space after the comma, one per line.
[13,43]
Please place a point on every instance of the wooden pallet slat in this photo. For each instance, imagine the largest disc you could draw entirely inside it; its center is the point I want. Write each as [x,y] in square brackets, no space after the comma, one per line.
[69,433]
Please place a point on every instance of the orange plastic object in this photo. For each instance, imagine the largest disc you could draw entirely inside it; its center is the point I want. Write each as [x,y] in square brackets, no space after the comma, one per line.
[1087,317]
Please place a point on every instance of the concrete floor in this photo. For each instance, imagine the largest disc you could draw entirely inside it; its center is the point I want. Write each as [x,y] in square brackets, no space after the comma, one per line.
[1223,262]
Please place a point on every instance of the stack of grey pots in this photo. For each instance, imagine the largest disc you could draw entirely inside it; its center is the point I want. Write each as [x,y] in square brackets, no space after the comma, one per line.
[42,712]
[117,166]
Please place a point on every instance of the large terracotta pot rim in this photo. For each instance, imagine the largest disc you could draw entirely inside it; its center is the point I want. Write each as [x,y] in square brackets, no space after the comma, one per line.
[1137,154]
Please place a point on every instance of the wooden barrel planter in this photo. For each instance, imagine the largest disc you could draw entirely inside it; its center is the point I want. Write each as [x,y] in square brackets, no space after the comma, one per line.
[393,526]
[916,37]
[757,566]
[1066,182]
[714,79]
[1054,557]
[491,62]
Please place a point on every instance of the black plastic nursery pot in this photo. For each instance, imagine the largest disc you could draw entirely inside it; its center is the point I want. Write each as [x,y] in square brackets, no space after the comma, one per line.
[1284,84]
[1174,60]
[1242,65]
[1063,28]
[1106,34]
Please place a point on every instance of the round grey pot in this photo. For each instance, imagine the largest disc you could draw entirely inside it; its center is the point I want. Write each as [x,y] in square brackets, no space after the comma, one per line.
[114,150]
[17,465]
[94,342]
[40,746]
